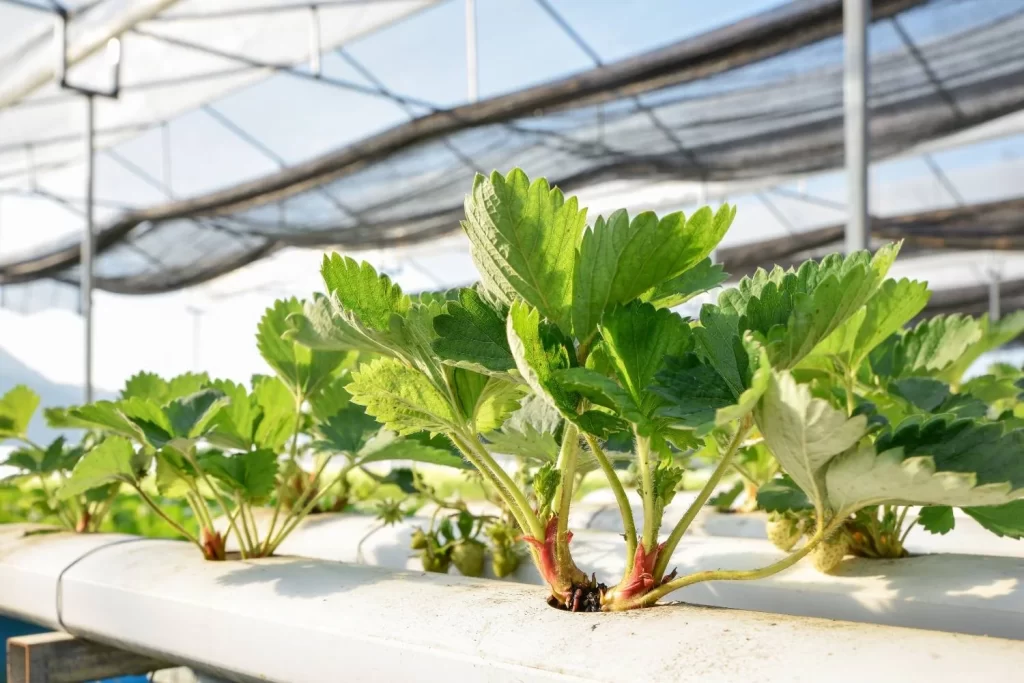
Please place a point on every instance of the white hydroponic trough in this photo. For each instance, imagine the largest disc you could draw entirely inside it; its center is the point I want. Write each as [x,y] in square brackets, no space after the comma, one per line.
[598,512]
[946,592]
[301,620]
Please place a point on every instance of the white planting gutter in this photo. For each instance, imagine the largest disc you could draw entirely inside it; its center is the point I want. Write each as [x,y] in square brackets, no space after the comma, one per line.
[944,592]
[300,620]
[968,537]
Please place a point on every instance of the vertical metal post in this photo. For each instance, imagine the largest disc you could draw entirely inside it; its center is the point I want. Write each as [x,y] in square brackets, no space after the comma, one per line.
[165,140]
[473,83]
[856,17]
[314,40]
[993,296]
[87,243]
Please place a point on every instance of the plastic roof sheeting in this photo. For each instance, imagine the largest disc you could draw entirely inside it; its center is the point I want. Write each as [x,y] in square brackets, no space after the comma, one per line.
[759,98]
[187,53]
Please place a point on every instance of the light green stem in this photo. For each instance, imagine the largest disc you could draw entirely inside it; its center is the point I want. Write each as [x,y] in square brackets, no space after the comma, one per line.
[292,458]
[220,501]
[505,485]
[665,556]
[643,451]
[849,381]
[289,525]
[248,540]
[664,589]
[163,515]
[567,457]
[625,509]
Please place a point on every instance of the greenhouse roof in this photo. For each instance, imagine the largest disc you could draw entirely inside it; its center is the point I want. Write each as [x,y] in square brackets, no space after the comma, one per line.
[736,112]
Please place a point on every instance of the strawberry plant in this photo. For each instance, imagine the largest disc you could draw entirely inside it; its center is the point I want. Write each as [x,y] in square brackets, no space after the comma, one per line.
[456,535]
[49,466]
[226,449]
[579,318]
[908,384]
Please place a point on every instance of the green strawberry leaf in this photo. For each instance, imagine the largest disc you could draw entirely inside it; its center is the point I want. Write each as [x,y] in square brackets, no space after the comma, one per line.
[993,335]
[278,412]
[146,385]
[303,369]
[190,417]
[332,398]
[540,351]
[805,433]
[253,474]
[938,461]
[620,260]
[531,433]
[486,401]
[791,312]
[112,460]
[17,407]
[893,306]
[104,416]
[723,500]
[235,424]
[782,495]
[372,298]
[387,446]
[403,399]
[471,335]
[703,277]
[924,392]
[1002,520]
[937,519]
[928,349]
[692,390]
[523,240]
[347,431]
[698,396]
[175,476]
[638,338]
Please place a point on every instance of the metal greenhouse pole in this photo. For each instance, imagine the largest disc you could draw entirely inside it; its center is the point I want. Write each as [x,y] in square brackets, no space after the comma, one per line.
[856,17]
[473,81]
[87,239]
[113,47]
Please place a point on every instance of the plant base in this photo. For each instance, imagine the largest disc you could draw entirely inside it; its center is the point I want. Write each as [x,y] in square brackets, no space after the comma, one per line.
[582,598]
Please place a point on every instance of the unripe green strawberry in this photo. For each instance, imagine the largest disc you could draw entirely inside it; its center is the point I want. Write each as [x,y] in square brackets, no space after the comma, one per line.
[419,540]
[436,562]
[468,556]
[783,531]
[830,553]
[504,561]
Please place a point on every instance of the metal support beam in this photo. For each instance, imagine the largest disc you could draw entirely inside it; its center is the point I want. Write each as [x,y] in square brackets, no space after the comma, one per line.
[87,241]
[993,296]
[314,41]
[472,61]
[856,17]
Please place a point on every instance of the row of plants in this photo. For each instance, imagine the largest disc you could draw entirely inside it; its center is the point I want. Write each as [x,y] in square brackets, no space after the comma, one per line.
[212,460]
[567,356]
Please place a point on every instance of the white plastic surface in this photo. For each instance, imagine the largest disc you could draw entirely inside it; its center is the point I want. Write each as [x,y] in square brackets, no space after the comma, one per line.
[955,593]
[302,620]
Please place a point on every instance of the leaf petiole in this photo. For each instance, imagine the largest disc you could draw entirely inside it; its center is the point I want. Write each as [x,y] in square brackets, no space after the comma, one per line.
[625,509]
[665,556]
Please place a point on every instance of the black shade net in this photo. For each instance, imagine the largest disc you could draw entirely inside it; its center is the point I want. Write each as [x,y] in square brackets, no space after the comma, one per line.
[759,98]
